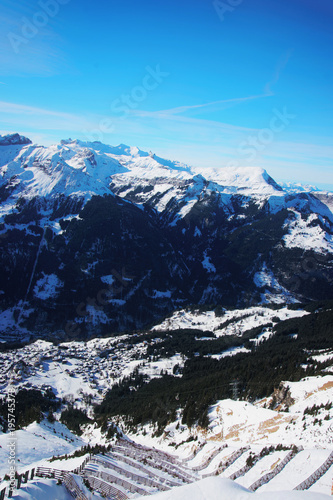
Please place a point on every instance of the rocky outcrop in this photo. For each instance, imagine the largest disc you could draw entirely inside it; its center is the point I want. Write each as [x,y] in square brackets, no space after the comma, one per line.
[13,140]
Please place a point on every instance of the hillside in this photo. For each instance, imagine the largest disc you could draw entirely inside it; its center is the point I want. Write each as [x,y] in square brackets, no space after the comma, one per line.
[99,239]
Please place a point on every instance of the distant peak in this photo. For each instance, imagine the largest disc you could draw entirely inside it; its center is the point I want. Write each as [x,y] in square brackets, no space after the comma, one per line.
[123,149]
[13,140]
[64,142]
[298,187]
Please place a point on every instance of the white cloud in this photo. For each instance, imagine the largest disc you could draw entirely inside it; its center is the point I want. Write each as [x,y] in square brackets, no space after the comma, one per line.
[210,106]
[10,107]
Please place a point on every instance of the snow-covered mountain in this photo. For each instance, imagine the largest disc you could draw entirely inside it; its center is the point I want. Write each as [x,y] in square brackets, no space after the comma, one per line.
[98,238]
[298,187]
[82,169]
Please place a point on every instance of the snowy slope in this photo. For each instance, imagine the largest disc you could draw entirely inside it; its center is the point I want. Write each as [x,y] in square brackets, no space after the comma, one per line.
[240,319]
[207,489]
[325,197]
[71,171]
[241,423]
[215,488]
[295,471]
[37,443]
[235,423]
[245,180]
[42,489]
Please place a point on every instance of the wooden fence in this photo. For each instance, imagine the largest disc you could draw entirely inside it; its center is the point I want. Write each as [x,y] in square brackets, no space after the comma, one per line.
[267,477]
[140,467]
[152,458]
[208,460]
[107,479]
[222,467]
[305,485]
[245,469]
[195,452]
[146,481]
[48,472]
[106,489]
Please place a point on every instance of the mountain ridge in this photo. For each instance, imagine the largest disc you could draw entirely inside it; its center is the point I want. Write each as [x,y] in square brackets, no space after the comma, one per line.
[76,213]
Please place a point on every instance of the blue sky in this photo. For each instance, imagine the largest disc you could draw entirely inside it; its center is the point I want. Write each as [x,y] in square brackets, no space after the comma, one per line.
[210,83]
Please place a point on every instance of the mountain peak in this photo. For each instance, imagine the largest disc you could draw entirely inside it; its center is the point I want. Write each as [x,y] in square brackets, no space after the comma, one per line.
[245,180]
[13,140]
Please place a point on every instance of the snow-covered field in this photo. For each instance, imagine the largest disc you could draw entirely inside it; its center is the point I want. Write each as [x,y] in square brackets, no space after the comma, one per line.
[240,319]
[42,489]
[304,234]
[39,442]
[217,488]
